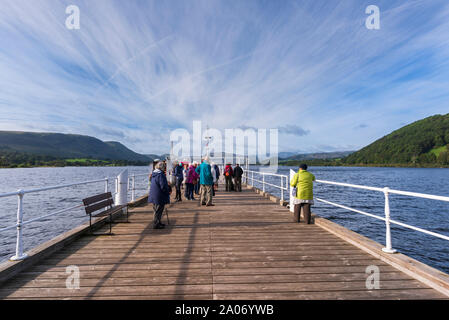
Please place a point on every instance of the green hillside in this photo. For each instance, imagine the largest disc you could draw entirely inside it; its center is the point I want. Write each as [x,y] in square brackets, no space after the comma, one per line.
[424,142]
[64,146]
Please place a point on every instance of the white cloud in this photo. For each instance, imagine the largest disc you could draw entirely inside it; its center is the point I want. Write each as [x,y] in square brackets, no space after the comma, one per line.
[137,69]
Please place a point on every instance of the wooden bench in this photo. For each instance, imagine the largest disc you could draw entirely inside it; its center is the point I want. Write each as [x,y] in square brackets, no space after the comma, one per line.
[103,202]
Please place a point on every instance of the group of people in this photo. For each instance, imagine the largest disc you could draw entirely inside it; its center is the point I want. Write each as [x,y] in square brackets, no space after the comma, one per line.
[197,178]
[203,179]
[235,174]
[189,176]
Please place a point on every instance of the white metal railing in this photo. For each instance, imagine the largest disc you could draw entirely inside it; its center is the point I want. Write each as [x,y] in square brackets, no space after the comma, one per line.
[249,175]
[20,255]
[387,191]
[132,184]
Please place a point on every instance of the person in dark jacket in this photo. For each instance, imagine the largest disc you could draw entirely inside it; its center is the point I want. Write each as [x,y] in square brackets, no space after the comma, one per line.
[159,194]
[217,175]
[179,175]
[238,173]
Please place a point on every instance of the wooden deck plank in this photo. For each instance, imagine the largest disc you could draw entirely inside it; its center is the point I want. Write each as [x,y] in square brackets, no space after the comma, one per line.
[147,278]
[246,247]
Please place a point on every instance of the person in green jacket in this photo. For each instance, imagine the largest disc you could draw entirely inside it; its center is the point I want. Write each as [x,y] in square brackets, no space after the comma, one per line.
[303,181]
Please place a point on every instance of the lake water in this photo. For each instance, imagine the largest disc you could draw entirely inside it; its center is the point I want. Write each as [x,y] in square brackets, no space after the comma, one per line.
[41,203]
[428,214]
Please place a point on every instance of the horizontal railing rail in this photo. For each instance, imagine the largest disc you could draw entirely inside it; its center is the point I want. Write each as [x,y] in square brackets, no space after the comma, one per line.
[20,255]
[249,175]
[387,191]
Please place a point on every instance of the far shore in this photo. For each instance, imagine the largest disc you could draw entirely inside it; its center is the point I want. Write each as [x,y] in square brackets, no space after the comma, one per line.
[309,163]
[393,165]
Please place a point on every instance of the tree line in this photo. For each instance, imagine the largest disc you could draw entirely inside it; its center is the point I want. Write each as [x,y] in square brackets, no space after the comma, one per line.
[14,159]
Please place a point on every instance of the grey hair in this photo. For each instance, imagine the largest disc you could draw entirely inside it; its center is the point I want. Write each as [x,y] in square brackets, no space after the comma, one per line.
[160,166]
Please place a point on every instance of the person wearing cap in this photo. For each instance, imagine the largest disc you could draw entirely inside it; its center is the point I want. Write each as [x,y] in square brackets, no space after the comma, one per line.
[159,194]
[206,182]
[303,199]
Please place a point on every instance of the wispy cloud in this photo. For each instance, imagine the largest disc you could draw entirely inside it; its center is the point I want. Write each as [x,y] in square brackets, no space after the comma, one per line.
[138,69]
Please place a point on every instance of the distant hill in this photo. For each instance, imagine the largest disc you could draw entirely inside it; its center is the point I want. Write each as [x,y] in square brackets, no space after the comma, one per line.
[422,142]
[316,156]
[285,155]
[65,146]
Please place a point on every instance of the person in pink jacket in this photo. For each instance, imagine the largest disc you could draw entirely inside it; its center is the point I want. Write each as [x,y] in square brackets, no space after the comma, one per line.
[191,179]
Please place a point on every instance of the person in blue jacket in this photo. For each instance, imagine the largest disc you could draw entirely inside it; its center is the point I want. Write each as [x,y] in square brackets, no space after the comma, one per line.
[206,182]
[159,194]
[179,174]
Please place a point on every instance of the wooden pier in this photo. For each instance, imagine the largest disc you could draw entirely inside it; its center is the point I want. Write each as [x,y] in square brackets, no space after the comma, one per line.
[244,247]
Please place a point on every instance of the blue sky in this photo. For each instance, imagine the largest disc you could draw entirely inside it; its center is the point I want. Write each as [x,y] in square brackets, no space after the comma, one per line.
[136,70]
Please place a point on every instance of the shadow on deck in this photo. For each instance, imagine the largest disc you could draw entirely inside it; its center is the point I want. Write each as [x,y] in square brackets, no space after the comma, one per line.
[245,247]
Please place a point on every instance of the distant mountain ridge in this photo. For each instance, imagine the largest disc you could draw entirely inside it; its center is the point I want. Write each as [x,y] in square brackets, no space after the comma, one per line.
[66,146]
[314,156]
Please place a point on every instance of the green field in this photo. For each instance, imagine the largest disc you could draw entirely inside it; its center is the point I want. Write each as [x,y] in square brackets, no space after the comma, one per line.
[437,151]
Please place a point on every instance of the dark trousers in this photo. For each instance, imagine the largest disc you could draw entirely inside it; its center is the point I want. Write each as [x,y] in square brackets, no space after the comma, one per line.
[228,180]
[178,189]
[196,188]
[305,208]
[238,183]
[158,211]
[189,191]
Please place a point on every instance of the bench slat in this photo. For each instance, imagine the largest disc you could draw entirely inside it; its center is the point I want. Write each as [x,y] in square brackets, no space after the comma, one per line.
[98,206]
[109,211]
[97,198]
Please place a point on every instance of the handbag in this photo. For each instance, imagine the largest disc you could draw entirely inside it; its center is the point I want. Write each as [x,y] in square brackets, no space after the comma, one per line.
[294,191]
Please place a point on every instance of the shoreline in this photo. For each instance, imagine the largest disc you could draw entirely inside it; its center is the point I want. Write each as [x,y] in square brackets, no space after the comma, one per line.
[30,167]
[280,164]
[374,165]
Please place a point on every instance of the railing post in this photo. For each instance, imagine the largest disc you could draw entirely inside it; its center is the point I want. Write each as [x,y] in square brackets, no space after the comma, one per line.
[252,178]
[106,182]
[263,181]
[133,194]
[292,174]
[19,243]
[282,188]
[388,247]
[121,198]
